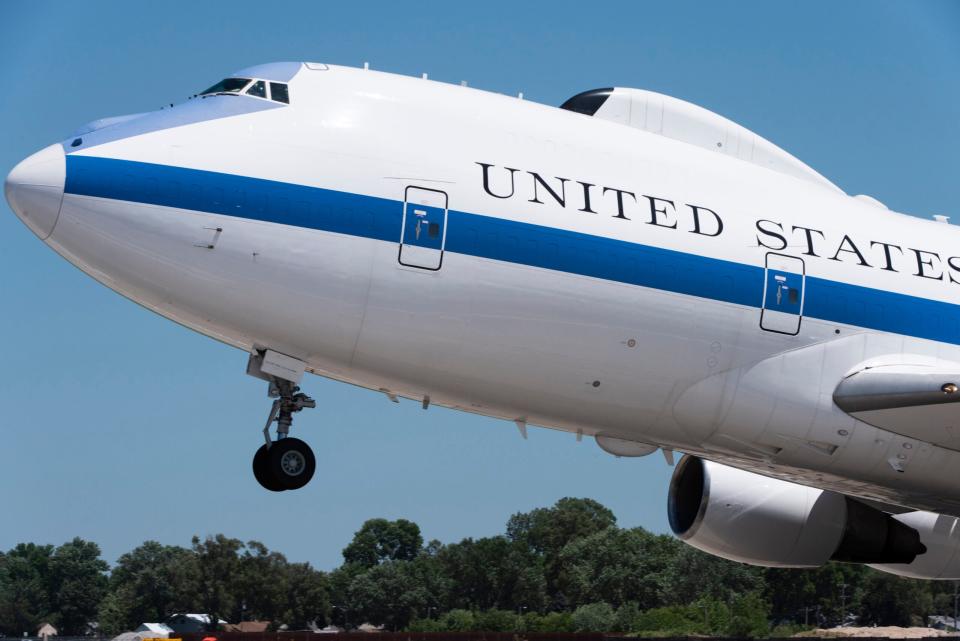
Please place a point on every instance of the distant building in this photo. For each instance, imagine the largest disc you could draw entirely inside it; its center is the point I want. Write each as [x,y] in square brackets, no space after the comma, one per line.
[247,626]
[942,623]
[46,631]
[154,630]
[190,623]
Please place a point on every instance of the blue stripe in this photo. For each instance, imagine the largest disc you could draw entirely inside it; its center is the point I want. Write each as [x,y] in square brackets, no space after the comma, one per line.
[504,240]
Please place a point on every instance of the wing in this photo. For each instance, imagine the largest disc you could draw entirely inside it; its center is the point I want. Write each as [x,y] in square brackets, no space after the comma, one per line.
[914,400]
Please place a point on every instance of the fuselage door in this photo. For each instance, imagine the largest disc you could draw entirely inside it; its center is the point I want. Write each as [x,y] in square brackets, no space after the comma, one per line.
[424,229]
[782,309]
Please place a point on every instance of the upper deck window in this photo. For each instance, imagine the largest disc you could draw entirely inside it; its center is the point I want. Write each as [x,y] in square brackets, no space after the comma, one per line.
[278,91]
[588,102]
[228,85]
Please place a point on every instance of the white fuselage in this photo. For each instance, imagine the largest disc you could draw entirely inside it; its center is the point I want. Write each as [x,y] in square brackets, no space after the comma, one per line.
[610,306]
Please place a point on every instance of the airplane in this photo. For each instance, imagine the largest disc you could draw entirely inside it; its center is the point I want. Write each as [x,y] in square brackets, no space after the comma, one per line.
[628,266]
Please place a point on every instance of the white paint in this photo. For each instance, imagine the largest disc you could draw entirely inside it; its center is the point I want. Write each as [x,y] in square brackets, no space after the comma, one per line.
[508,340]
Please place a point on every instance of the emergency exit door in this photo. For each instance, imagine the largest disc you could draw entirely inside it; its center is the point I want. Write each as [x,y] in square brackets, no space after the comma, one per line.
[423,232]
[782,308]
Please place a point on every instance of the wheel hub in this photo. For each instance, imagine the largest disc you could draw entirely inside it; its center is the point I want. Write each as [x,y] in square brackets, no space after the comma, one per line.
[292,463]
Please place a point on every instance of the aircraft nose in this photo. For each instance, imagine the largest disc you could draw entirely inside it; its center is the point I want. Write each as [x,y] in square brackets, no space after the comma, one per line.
[34,189]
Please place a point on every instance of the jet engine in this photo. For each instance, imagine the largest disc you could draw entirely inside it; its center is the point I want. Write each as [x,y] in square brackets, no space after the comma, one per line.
[754,519]
[941,536]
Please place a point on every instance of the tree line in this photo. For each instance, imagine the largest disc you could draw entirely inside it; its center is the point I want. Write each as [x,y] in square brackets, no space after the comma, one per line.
[568,567]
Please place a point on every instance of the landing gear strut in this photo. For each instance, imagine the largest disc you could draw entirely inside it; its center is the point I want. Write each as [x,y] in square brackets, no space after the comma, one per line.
[285,463]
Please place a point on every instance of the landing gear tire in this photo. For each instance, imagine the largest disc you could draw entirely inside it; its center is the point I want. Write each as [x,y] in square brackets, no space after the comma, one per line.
[261,470]
[283,463]
[290,462]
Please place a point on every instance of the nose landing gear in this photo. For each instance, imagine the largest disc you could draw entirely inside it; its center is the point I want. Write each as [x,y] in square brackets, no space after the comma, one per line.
[285,463]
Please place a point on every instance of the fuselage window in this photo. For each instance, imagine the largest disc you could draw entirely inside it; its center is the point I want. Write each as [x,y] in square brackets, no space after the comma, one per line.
[279,93]
[258,89]
[228,86]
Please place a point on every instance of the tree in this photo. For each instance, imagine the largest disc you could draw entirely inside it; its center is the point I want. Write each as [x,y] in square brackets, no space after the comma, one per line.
[218,575]
[78,583]
[549,622]
[396,592]
[24,588]
[594,617]
[149,583]
[307,598]
[627,617]
[262,584]
[893,600]
[380,540]
[496,620]
[749,616]
[545,532]
[691,575]
[616,566]
[493,572]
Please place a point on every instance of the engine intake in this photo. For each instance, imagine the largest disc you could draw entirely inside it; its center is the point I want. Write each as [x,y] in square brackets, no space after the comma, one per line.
[754,519]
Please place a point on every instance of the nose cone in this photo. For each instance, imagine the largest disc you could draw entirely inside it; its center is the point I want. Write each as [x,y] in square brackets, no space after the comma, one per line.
[34,189]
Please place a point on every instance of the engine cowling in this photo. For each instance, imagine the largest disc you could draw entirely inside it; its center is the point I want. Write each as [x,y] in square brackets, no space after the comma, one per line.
[754,519]
[941,536]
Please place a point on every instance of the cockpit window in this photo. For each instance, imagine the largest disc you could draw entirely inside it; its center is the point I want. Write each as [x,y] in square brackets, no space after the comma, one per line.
[228,85]
[258,89]
[278,92]
[254,87]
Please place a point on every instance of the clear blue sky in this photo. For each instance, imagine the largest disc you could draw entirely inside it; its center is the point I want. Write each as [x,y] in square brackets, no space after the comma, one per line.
[120,426]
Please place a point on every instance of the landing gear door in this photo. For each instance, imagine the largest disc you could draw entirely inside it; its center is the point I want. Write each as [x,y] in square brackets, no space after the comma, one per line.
[782,309]
[424,229]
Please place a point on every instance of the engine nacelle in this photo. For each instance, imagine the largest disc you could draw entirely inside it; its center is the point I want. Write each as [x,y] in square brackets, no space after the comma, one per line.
[754,519]
[941,536]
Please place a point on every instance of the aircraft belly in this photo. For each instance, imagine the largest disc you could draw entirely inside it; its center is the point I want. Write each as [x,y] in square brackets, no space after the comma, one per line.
[779,414]
[554,348]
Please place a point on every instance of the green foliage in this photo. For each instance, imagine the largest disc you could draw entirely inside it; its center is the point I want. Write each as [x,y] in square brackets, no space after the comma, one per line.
[560,569]
[497,621]
[785,630]
[893,600]
[148,584]
[306,598]
[544,532]
[380,540]
[691,575]
[617,566]
[25,586]
[627,617]
[593,617]
[218,576]
[78,582]
[459,621]
[549,622]
[494,572]
[671,620]
[749,616]
[396,592]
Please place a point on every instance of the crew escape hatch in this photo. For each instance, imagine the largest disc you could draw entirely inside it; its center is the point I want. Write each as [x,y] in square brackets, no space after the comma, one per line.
[423,232]
[784,280]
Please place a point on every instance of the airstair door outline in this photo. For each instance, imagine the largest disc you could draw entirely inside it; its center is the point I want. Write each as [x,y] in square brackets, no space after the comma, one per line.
[783,288]
[423,232]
